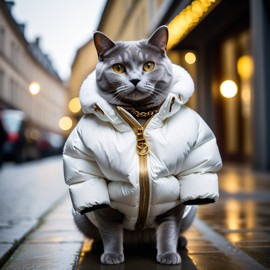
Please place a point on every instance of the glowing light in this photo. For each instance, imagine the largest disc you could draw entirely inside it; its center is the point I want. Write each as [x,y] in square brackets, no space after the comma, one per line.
[74,105]
[65,123]
[190,58]
[228,89]
[187,19]
[245,67]
[246,93]
[86,248]
[34,88]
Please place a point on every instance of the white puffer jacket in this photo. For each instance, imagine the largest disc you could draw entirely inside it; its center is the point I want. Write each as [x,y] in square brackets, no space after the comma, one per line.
[110,159]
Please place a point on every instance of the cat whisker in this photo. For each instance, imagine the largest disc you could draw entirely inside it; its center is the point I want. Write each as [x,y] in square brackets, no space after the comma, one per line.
[119,95]
[158,92]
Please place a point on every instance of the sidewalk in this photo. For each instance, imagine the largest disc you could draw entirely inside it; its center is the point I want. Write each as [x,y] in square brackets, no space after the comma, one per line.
[54,244]
[29,194]
[233,233]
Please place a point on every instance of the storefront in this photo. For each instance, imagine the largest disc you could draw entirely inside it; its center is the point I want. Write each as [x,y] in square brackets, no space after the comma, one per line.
[226,50]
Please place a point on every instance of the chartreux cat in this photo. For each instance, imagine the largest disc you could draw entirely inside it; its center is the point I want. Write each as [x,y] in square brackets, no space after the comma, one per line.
[139,161]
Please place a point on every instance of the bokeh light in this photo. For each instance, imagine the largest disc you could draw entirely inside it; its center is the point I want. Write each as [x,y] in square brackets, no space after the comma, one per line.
[65,123]
[190,58]
[228,89]
[34,88]
[74,105]
[245,67]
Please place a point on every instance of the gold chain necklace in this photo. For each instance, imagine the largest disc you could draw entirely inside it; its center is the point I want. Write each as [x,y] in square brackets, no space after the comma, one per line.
[143,114]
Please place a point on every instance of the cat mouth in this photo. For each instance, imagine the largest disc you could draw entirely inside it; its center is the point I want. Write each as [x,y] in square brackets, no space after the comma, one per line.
[134,98]
[137,95]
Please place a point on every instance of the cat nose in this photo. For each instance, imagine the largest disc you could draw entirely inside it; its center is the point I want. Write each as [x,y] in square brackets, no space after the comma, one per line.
[134,81]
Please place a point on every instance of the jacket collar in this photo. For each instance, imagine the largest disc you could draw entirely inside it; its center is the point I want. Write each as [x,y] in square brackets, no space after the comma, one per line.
[93,103]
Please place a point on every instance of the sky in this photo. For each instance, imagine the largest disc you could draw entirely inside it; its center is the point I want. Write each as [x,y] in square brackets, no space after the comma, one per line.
[63,26]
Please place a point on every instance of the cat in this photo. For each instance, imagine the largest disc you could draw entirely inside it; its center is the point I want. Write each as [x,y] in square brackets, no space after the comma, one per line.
[144,82]
[136,84]
[144,68]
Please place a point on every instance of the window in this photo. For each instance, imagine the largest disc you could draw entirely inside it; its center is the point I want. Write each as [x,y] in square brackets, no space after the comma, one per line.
[14,53]
[236,64]
[2,39]
[1,83]
[11,96]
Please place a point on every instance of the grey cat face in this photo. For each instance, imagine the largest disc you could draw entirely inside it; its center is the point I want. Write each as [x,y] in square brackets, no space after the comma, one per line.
[136,73]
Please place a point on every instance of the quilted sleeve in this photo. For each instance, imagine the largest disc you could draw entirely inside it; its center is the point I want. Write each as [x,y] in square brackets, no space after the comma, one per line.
[198,177]
[87,186]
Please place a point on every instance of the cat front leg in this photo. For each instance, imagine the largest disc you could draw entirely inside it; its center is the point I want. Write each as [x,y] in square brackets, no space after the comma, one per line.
[111,231]
[167,234]
[167,238]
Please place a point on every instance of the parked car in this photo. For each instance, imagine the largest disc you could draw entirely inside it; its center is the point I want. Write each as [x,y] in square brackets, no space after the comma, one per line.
[50,143]
[17,145]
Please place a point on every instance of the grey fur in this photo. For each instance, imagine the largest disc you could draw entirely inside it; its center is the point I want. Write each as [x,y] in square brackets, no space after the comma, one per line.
[151,90]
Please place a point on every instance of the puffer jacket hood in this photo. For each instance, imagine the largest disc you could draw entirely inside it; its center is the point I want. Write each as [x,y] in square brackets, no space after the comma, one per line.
[91,101]
[110,159]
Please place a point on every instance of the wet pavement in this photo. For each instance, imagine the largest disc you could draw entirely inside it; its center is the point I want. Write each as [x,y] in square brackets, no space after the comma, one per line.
[37,231]
[242,214]
[28,192]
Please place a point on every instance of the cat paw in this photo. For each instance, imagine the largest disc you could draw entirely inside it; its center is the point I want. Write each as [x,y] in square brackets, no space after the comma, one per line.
[169,258]
[112,258]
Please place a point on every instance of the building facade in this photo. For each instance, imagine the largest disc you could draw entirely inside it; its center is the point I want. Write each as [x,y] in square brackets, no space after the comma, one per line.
[22,63]
[230,41]
[224,44]
[121,20]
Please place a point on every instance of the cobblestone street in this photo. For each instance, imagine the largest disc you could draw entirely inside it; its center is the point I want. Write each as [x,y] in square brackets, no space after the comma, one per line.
[37,231]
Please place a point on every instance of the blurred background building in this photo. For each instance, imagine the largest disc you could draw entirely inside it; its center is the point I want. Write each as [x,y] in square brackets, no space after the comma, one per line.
[224,44]
[33,98]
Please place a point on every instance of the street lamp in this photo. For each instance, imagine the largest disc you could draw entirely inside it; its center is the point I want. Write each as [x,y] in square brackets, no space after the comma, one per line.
[34,88]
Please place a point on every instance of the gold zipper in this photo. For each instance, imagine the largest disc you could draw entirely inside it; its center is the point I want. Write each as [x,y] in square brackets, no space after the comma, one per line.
[142,151]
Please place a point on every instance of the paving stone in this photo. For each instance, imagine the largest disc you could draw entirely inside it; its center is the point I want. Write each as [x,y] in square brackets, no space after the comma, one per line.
[15,232]
[58,225]
[135,259]
[5,249]
[44,257]
[213,261]
[55,237]
[52,245]
[262,254]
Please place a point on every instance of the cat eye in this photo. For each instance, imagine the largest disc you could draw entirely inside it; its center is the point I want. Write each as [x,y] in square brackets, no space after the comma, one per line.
[119,68]
[148,66]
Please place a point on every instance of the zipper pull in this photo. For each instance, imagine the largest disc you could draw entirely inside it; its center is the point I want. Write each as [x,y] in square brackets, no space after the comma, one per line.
[142,147]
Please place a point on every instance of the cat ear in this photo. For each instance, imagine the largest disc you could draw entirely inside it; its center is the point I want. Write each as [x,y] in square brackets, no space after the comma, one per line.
[160,38]
[102,43]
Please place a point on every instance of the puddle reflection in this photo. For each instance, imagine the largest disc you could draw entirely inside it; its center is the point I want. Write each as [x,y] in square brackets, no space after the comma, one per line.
[239,217]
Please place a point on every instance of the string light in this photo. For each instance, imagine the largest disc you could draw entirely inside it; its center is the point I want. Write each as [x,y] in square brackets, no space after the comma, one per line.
[187,19]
